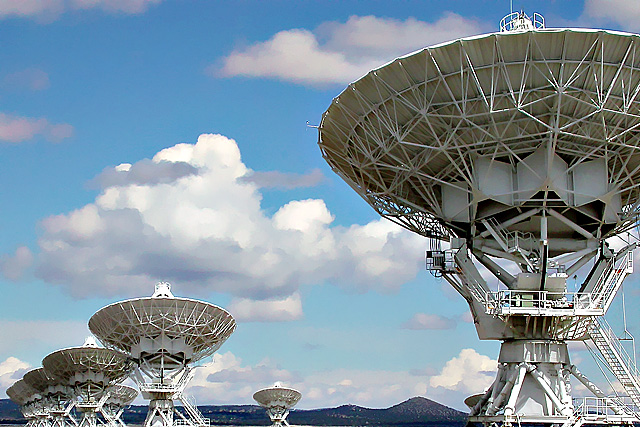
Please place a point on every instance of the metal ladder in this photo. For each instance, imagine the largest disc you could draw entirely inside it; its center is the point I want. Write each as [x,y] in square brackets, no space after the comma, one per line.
[622,365]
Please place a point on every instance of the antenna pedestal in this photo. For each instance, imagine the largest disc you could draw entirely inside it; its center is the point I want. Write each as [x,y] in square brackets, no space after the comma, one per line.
[89,416]
[532,382]
[164,336]
[160,412]
[277,400]
[278,416]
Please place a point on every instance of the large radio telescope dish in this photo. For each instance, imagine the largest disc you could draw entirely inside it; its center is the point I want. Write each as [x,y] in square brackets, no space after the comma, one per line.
[493,126]
[518,147]
[39,379]
[164,335]
[204,327]
[98,366]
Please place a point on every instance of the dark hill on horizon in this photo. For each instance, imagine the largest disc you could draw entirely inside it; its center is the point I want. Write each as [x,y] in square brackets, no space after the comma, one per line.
[415,412]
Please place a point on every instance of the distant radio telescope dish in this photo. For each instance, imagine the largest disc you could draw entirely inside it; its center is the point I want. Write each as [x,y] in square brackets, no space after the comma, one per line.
[25,396]
[51,408]
[164,335]
[120,397]
[277,400]
[90,370]
[520,147]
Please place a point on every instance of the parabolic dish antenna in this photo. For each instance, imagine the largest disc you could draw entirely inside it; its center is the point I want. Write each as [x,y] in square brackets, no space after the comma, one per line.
[128,325]
[89,368]
[164,335]
[23,395]
[277,400]
[20,392]
[120,396]
[520,147]
[51,400]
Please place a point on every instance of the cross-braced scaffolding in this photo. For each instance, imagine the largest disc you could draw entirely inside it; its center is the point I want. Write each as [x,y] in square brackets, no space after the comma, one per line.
[55,402]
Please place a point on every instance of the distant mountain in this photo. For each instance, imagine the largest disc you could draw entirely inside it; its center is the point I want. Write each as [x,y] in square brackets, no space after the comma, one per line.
[10,412]
[415,412]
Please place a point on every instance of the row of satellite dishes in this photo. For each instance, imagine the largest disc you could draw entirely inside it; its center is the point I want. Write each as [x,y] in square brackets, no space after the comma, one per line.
[155,341]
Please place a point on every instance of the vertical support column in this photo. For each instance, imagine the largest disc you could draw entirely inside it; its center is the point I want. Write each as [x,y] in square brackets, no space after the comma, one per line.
[160,413]
[544,250]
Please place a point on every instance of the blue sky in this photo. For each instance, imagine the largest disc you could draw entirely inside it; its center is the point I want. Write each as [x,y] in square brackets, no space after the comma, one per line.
[329,298]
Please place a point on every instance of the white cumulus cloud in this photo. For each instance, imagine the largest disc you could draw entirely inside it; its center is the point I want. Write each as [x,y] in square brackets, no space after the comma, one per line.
[469,372]
[207,231]
[227,379]
[340,52]
[11,370]
[274,310]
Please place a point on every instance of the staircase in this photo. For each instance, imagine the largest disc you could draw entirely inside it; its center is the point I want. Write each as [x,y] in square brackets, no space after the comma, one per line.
[607,286]
[196,417]
[622,365]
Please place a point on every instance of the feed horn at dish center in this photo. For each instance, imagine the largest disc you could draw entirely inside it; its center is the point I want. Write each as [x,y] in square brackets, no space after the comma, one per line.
[517,152]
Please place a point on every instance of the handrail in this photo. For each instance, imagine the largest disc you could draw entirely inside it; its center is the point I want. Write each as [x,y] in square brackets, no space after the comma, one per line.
[539,299]
[613,340]
[591,406]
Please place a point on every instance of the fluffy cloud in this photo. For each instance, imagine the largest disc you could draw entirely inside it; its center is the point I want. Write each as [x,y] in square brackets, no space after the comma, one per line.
[469,372]
[142,173]
[11,370]
[278,310]
[623,12]
[284,181]
[16,129]
[208,232]
[228,380]
[13,267]
[225,380]
[429,321]
[49,9]
[31,78]
[341,52]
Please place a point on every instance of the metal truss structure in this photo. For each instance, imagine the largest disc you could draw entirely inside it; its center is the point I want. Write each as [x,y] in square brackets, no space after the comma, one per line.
[120,397]
[25,396]
[522,150]
[277,400]
[55,402]
[90,371]
[164,336]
